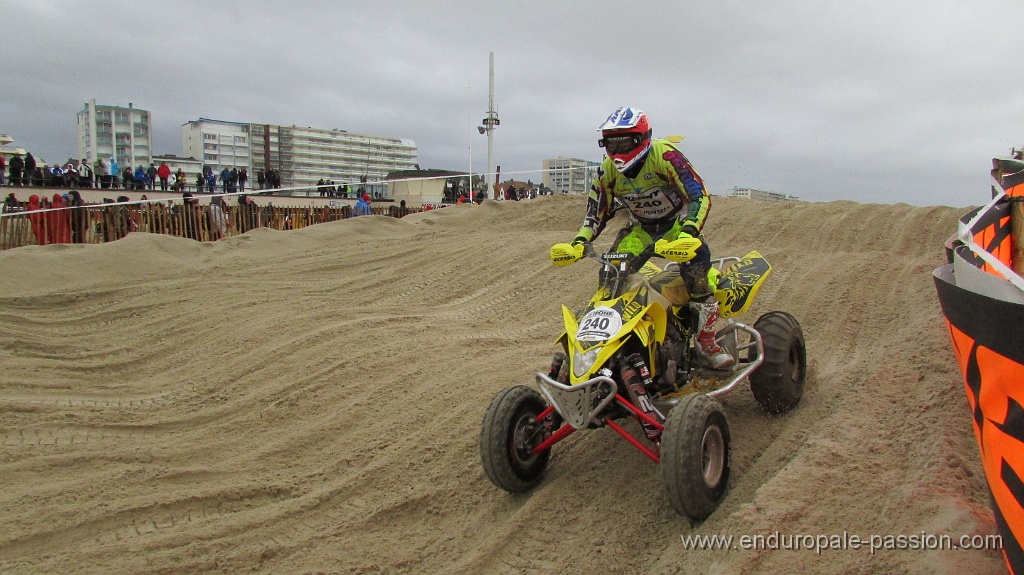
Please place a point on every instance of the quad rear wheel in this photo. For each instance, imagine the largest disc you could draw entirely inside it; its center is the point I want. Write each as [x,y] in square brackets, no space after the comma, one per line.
[508,435]
[695,456]
[778,384]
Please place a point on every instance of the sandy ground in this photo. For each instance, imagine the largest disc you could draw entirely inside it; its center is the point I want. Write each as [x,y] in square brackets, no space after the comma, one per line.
[310,402]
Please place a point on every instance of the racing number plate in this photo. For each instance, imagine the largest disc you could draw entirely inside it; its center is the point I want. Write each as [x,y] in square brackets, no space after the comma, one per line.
[599,324]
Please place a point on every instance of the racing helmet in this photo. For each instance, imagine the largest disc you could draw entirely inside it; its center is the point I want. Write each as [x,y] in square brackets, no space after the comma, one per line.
[626,137]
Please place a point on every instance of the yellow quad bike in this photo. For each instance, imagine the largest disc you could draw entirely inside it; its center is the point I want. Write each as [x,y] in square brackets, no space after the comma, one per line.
[626,354]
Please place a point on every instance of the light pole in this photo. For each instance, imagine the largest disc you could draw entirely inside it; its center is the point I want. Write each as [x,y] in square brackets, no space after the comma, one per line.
[489,123]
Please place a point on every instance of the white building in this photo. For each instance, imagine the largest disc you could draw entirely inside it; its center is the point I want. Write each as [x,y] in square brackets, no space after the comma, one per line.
[217,144]
[303,156]
[752,194]
[114,131]
[569,175]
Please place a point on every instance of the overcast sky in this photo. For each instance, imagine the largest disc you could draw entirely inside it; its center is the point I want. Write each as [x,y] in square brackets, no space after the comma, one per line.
[873,101]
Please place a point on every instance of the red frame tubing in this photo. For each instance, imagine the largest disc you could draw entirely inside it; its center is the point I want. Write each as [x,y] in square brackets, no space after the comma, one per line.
[636,442]
[562,433]
[636,411]
[557,436]
[550,409]
[567,430]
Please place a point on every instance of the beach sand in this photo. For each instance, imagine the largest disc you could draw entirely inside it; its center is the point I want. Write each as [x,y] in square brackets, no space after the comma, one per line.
[310,402]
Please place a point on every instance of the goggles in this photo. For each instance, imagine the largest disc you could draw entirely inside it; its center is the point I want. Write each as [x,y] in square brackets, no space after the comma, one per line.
[621,144]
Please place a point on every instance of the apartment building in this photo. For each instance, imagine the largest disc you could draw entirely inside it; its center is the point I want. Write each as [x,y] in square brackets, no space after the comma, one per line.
[302,156]
[752,194]
[115,131]
[305,155]
[217,144]
[569,175]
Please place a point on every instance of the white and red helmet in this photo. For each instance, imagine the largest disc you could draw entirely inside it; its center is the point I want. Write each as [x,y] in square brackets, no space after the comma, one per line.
[626,137]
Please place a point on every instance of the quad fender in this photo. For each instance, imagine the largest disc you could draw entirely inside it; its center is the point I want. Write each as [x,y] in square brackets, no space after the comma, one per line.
[649,325]
[737,286]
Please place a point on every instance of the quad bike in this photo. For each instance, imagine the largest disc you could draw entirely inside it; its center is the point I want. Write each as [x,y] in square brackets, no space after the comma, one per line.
[627,354]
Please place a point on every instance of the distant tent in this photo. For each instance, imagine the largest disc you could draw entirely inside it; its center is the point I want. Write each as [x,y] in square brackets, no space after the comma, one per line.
[421,187]
[982,299]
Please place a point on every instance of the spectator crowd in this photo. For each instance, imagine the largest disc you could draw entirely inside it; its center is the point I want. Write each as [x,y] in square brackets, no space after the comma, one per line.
[23,170]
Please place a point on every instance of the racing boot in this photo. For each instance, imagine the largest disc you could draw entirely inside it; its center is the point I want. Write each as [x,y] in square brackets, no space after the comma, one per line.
[707,312]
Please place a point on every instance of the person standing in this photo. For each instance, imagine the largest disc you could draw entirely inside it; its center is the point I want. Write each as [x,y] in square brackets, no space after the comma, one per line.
[58,222]
[84,174]
[30,169]
[102,174]
[70,175]
[362,207]
[189,216]
[115,172]
[243,177]
[225,177]
[56,176]
[163,172]
[218,219]
[142,180]
[151,172]
[38,221]
[17,169]
[79,217]
[3,167]
[179,180]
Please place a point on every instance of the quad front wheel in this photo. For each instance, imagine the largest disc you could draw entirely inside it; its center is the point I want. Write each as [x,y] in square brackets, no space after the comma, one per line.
[778,384]
[695,456]
[509,433]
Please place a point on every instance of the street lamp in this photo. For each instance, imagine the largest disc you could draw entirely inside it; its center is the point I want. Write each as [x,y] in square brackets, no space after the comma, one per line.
[489,123]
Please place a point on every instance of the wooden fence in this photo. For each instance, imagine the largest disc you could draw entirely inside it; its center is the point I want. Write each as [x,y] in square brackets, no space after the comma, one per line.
[99,223]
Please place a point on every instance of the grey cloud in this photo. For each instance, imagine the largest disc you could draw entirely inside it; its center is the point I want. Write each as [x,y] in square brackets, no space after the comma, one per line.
[872,101]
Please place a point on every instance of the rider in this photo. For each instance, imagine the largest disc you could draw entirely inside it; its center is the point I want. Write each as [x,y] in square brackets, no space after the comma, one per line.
[666,199]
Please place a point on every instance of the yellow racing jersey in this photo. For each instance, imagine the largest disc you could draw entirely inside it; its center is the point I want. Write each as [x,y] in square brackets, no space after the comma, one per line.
[666,189]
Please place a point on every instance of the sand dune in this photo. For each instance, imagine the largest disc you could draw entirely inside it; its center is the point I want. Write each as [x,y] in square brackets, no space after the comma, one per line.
[310,401]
